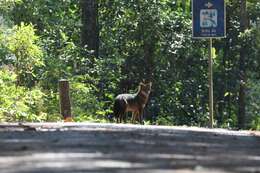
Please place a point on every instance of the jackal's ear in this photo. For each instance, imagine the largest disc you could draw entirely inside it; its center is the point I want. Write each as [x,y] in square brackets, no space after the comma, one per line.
[149,84]
[141,84]
[140,87]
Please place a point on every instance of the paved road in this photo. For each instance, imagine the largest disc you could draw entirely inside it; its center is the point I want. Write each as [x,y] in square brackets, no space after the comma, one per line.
[112,148]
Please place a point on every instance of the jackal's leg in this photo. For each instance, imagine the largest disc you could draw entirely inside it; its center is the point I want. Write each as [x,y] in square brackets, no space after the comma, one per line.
[125,117]
[140,117]
[134,115]
[132,119]
[120,116]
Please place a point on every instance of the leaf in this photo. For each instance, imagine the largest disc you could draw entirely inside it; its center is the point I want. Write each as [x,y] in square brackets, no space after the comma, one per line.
[213,53]
[226,94]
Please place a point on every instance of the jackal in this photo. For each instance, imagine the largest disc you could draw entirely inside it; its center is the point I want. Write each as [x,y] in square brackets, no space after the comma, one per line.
[134,103]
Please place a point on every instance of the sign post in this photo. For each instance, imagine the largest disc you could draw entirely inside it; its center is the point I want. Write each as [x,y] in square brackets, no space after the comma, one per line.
[210,76]
[209,21]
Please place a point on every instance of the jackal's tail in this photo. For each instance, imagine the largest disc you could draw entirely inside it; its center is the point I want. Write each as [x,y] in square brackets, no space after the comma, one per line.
[119,109]
[116,109]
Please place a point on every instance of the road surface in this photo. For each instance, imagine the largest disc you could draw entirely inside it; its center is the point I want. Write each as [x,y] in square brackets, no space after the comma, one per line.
[122,148]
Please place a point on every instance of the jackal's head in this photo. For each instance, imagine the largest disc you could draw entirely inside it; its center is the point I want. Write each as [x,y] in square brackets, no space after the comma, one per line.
[146,87]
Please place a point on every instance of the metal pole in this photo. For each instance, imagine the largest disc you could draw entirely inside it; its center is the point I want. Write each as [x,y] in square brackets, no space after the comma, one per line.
[210,76]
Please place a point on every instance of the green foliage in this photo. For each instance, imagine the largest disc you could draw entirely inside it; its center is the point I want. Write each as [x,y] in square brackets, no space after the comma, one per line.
[84,101]
[7,5]
[3,48]
[164,120]
[20,103]
[22,44]
[138,40]
[253,104]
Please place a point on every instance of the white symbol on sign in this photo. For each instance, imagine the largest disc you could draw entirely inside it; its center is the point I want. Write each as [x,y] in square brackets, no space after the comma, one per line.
[208,18]
[209,5]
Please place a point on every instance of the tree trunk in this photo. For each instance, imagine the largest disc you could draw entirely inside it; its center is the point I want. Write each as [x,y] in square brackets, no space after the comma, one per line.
[89,30]
[148,58]
[225,99]
[242,70]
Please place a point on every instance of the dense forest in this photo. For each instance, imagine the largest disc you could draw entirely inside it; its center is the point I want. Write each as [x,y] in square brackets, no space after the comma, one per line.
[107,47]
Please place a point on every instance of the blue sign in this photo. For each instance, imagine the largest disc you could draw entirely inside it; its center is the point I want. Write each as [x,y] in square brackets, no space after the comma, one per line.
[208,18]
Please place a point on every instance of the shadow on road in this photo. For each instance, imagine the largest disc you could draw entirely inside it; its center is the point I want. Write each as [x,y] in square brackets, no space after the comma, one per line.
[127,150]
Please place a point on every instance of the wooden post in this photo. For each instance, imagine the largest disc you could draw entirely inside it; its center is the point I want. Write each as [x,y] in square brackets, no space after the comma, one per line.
[65,107]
